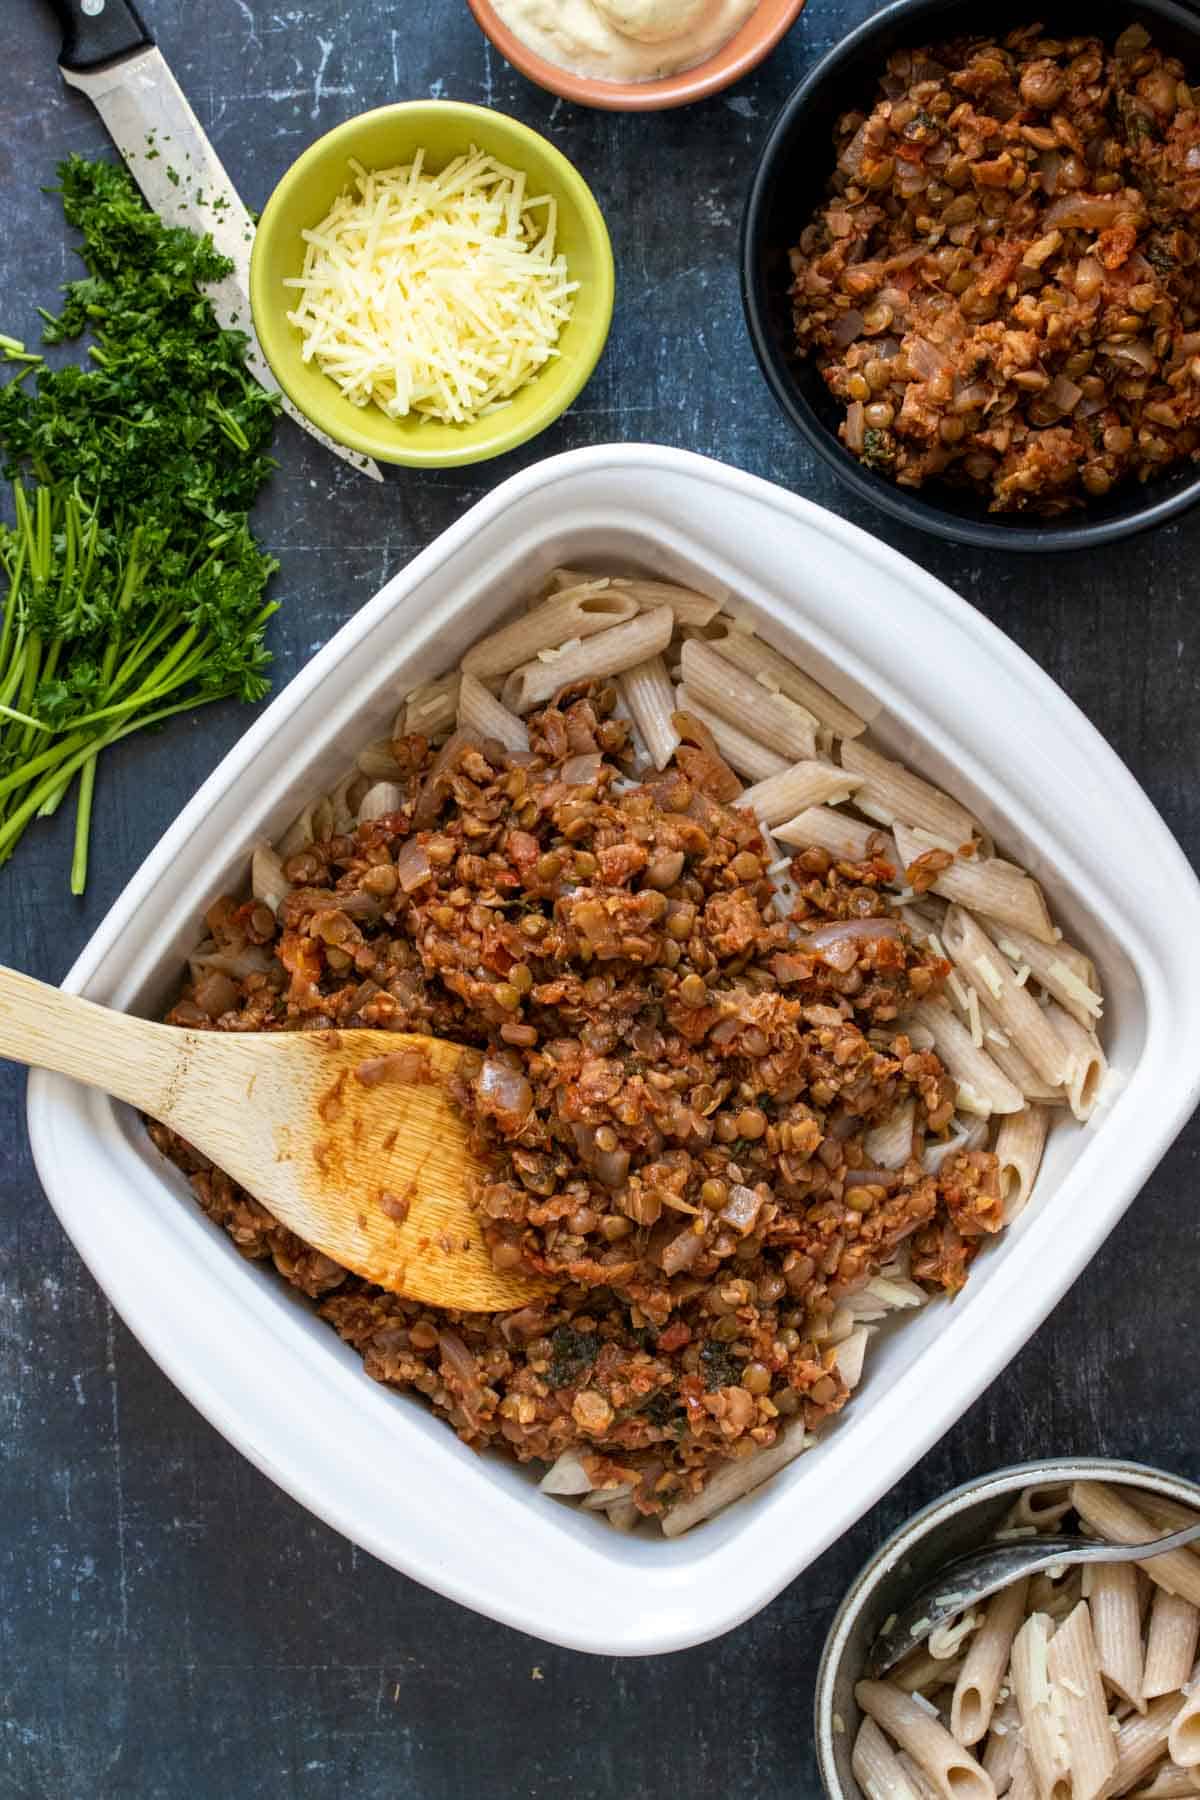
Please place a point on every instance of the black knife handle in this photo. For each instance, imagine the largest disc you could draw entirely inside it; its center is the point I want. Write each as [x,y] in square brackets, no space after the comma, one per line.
[97,32]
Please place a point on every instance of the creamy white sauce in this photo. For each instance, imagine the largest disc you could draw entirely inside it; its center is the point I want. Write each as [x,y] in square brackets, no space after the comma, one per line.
[625,40]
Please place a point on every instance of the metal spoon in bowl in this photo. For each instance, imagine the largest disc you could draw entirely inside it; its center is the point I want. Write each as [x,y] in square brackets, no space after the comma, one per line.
[963,1582]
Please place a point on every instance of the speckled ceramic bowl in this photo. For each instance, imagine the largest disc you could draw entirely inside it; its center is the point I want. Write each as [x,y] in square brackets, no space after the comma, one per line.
[744,51]
[959,1521]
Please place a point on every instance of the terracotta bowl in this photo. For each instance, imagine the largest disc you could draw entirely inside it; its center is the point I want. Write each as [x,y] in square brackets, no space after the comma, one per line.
[744,51]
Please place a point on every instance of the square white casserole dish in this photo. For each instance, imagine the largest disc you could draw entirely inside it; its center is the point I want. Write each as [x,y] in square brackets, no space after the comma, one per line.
[952,695]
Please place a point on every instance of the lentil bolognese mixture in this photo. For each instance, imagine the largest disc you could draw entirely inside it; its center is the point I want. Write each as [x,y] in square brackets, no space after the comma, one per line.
[674,1084]
[1002,285]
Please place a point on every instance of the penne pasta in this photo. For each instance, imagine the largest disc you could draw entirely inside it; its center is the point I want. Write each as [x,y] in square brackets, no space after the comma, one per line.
[735,1479]
[917,1777]
[647,692]
[580,612]
[1056,1596]
[953,1771]
[744,754]
[773,719]
[890,793]
[1142,1740]
[1086,1065]
[982,1087]
[1168,1515]
[1171,1641]
[1183,1739]
[1004,1744]
[1014,1009]
[922,1672]
[754,658]
[877,1768]
[1019,1144]
[430,710]
[1041,1508]
[1023,1786]
[688,606]
[1113,1517]
[846,839]
[1112,1593]
[985,1664]
[1169,1783]
[1079,1696]
[1040,1726]
[481,713]
[889,1146]
[805,784]
[1018,1068]
[985,885]
[1066,973]
[607,653]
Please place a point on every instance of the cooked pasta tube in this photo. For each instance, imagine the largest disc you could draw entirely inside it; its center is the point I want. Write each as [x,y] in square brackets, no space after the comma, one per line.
[891,793]
[268,883]
[982,1087]
[1183,1739]
[647,692]
[804,784]
[481,713]
[1040,1508]
[688,606]
[1170,1515]
[1019,1144]
[877,1768]
[1087,1064]
[1013,1007]
[1171,1640]
[430,710]
[1111,1516]
[1003,1744]
[781,724]
[1065,973]
[986,1662]
[1142,1739]
[607,653]
[1074,1670]
[986,885]
[1112,1593]
[922,1672]
[734,1479]
[744,754]
[918,1779]
[1023,1785]
[1056,1595]
[1169,1783]
[889,1145]
[754,658]
[1040,1727]
[1018,1068]
[953,1771]
[580,612]
[380,799]
[849,840]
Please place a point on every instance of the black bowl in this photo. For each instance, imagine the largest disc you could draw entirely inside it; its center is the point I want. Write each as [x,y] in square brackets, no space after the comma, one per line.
[789,183]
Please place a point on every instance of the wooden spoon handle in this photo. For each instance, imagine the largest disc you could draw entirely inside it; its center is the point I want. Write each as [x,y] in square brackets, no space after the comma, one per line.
[47,1029]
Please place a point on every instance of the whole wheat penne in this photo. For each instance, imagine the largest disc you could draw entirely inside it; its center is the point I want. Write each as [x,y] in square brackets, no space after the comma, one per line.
[1112,1594]
[1014,1009]
[1019,1144]
[1040,1726]
[917,1777]
[688,606]
[1003,1745]
[1023,1785]
[748,653]
[985,1664]
[1041,1508]
[481,713]
[987,885]
[877,1767]
[430,710]
[1183,1739]
[560,578]
[1087,1064]
[953,1771]
[1142,1739]
[804,784]
[982,1087]
[647,692]
[743,753]
[1056,1595]
[923,1673]
[781,724]
[1018,1068]
[849,840]
[1169,1783]
[891,793]
[733,1480]
[1064,972]
[1113,1517]
[580,612]
[1168,1515]
[607,653]
[889,1145]
[1171,1640]
[1074,1670]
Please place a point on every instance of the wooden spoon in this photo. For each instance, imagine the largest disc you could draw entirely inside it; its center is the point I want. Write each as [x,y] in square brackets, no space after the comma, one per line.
[287,1115]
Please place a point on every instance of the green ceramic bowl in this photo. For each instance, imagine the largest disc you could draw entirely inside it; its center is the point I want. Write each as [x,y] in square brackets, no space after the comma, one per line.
[379,139]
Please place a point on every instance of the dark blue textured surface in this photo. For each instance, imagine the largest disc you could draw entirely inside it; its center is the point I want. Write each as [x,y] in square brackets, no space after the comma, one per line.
[171,1626]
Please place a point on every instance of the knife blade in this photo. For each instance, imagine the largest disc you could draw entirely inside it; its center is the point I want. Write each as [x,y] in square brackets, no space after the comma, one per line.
[108,54]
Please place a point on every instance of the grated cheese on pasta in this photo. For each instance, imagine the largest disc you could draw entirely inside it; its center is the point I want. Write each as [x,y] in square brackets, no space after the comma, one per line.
[1078,989]
[440,295]
[973,1018]
[990,976]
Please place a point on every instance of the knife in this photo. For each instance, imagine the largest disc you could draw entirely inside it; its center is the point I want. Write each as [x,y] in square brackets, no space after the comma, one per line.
[108,54]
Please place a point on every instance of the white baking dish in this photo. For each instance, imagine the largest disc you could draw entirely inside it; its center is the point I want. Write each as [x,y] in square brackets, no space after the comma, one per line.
[952,694]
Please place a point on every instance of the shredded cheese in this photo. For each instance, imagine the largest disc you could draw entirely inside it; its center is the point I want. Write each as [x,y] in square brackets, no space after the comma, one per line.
[954,983]
[1076,987]
[440,295]
[973,1018]
[1022,975]
[990,975]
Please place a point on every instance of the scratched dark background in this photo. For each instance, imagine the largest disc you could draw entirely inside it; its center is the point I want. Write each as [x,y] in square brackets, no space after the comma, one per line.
[170,1624]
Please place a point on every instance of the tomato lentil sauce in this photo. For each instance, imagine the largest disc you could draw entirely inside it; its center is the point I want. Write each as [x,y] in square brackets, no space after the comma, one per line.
[671,1086]
[1002,285]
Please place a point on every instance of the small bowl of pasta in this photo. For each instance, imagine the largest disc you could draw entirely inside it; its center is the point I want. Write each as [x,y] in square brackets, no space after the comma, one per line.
[1073,1684]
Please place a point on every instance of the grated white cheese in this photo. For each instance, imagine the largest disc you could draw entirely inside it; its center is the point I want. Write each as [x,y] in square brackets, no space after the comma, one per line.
[997,1037]
[766,680]
[553,654]
[1077,987]
[973,1018]
[990,976]
[1022,975]
[934,843]
[954,983]
[440,295]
